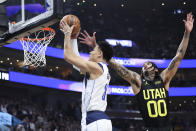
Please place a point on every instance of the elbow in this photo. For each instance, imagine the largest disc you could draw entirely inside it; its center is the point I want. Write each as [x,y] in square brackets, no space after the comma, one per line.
[67,55]
[67,58]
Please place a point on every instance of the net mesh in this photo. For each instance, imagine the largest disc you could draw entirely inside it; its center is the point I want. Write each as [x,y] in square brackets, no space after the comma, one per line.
[35,46]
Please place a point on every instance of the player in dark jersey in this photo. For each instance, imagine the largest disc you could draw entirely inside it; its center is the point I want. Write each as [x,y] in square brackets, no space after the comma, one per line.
[151,87]
[153,99]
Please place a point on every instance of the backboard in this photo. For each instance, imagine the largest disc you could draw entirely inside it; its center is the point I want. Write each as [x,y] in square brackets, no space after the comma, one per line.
[28,16]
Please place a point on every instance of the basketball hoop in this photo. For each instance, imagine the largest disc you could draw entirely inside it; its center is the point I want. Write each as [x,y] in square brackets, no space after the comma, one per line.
[35,46]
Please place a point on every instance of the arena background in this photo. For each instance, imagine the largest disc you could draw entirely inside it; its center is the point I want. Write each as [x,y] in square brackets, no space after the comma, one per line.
[49,98]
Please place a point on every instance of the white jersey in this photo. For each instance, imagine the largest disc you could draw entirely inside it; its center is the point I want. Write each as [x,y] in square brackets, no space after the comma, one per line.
[94,94]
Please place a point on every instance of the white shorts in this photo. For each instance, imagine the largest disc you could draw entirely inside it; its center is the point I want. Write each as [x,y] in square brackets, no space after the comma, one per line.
[100,125]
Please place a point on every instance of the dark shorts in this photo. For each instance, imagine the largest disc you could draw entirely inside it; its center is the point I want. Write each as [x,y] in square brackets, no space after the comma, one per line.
[168,128]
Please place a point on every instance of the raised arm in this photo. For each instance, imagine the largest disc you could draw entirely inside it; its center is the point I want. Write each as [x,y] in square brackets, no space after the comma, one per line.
[87,39]
[169,72]
[70,57]
[74,45]
[130,76]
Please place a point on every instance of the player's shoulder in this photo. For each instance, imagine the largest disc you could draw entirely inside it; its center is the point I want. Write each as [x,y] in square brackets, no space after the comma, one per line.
[103,65]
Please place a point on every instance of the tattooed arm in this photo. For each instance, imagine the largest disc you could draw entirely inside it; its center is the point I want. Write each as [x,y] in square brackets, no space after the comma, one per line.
[130,76]
[169,72]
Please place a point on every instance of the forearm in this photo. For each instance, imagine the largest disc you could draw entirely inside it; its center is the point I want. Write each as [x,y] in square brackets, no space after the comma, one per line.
[120,70]
[183,45]
[130,76]
[69,55]
[75,50]
[68,51]
[173,66]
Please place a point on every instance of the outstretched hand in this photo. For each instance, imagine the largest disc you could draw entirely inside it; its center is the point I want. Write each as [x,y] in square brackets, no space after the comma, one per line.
[189,22]
[65,28]
[87,39]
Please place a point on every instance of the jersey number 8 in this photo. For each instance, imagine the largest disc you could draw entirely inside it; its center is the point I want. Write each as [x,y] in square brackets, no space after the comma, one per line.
[104,94]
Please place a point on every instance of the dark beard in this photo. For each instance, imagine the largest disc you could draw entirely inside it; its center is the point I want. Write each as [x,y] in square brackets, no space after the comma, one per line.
[147,76]
[146,73]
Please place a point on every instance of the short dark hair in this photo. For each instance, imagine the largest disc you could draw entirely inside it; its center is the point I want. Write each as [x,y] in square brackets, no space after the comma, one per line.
[153,64]
[106,49]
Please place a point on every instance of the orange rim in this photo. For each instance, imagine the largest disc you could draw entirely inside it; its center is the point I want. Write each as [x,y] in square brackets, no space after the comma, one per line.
[45,38]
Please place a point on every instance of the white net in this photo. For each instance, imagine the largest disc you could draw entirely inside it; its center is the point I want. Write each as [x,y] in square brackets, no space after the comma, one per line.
[35,46]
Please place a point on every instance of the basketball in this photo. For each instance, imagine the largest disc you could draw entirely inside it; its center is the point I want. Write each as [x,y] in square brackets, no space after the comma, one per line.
[72,20]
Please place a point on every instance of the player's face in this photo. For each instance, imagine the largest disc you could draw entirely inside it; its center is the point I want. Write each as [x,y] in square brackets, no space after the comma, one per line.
[95,53]
[148,71]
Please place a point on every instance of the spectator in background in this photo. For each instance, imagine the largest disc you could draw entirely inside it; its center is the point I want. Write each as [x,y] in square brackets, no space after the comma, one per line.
[3,108]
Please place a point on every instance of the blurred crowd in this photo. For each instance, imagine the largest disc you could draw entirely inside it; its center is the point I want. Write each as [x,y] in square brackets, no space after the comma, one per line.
[39,114]
[37,117]
[155,35]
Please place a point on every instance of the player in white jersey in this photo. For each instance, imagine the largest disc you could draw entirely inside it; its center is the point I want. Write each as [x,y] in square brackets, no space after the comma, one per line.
[95,84]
